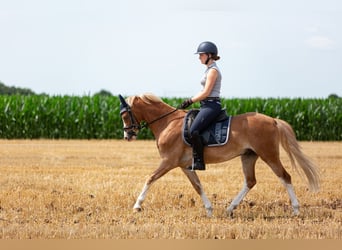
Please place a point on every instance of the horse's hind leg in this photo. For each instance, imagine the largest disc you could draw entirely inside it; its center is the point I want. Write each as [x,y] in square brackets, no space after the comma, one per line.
[274,162]
[193,178]
[285,178]
[248,160]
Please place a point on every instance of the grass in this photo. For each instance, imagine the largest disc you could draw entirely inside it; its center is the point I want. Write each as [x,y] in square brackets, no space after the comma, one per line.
[82,189]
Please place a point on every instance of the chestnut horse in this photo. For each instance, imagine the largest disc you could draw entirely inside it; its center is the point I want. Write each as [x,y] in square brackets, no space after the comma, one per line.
[251,135]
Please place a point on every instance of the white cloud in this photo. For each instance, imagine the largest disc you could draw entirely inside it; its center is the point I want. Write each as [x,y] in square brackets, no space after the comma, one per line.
[320,42]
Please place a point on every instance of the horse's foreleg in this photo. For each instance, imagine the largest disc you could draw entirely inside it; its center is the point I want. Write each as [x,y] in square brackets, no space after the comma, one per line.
[162,170]
[193,178]
[141,197]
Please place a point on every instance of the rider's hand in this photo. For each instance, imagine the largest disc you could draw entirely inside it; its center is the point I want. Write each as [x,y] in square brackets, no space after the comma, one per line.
[186,103]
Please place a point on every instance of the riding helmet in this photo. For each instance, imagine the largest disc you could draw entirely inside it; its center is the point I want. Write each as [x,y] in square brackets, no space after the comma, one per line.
[207,47]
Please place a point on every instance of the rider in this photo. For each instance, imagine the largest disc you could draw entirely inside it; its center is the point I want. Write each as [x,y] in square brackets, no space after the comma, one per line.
[209,99]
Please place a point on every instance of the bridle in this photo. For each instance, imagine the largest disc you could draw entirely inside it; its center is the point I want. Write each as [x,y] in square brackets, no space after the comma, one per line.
[135,125]
[130,130]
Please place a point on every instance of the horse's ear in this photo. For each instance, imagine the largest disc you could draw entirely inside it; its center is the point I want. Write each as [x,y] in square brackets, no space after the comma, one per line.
[122,101]
[123,105]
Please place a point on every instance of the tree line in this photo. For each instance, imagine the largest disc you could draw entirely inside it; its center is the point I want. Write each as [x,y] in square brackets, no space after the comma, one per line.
[6,90]
[12,90]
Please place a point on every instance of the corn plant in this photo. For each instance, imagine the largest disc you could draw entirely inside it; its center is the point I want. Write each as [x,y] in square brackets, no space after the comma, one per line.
[97,117]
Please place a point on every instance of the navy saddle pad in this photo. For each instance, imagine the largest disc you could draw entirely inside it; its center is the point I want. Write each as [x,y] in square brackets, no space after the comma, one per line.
[216,134]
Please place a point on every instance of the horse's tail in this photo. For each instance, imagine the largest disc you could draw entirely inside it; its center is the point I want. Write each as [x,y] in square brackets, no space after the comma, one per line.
[293,149]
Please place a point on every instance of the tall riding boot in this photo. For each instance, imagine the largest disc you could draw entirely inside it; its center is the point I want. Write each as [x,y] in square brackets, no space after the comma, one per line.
[197,153]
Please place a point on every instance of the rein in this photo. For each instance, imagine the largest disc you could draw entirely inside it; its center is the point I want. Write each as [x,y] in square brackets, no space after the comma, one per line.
[146,124]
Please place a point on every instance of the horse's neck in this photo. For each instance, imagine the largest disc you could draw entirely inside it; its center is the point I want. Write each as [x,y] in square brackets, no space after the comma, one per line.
[153,112]
[157,116]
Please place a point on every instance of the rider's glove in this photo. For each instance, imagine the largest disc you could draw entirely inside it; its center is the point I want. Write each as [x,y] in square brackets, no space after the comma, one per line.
[186,103]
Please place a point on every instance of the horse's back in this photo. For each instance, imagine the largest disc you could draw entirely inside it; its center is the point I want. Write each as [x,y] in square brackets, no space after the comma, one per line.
[252,130]
[252,120]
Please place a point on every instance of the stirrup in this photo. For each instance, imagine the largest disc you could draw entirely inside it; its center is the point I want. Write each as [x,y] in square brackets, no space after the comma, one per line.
[198,166]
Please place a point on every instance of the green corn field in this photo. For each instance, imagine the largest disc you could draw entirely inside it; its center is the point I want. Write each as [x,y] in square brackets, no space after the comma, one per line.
[68,117]
[97,117]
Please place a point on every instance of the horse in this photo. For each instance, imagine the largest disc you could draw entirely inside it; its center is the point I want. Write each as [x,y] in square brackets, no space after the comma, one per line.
[252,135]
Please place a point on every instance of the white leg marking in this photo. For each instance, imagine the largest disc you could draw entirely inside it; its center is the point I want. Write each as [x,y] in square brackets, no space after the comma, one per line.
[293,197]
[141,198]
[237,200]
[207,203]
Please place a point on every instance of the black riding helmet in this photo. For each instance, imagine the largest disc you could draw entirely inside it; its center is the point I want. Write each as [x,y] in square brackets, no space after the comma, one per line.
[207,48]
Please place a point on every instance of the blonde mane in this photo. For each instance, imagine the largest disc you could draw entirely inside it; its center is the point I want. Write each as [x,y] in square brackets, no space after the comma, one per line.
[147,98]
[150,98]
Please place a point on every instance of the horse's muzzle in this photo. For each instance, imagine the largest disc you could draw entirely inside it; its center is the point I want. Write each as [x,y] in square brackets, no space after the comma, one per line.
[130,138]
[130,135]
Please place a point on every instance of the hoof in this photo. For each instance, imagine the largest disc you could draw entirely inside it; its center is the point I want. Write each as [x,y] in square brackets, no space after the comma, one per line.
[295,211]
[230,214]
[137,209]
[230,211]
[209,212]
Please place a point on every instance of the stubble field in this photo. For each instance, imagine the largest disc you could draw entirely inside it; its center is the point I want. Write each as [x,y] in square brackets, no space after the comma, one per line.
[80,189]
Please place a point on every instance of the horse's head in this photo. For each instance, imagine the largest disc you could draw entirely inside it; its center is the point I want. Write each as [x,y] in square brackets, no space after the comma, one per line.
[131,125]
[142,111]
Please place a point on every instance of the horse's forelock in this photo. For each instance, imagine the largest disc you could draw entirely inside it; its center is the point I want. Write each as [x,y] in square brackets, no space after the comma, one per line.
[130,100]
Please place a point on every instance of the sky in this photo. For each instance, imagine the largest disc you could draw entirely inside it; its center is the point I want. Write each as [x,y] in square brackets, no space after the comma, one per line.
[268,48]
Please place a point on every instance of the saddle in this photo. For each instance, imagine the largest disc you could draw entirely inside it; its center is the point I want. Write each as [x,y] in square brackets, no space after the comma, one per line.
[216,134]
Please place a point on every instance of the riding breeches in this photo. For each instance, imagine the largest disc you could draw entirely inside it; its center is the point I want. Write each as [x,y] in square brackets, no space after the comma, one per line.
[209,110]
